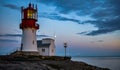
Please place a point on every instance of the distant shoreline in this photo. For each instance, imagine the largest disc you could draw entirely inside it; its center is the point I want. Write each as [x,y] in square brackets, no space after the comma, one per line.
[95,56]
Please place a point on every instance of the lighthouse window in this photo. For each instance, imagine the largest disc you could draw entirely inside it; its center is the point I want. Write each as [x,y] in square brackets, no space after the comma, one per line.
[29,13]
[52,50]
[33,41]
[35,16]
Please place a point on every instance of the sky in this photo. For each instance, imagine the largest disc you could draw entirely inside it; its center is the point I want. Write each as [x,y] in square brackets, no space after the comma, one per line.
[90,28]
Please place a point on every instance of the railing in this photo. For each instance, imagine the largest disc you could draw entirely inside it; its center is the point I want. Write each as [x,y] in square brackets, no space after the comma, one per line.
[29,26]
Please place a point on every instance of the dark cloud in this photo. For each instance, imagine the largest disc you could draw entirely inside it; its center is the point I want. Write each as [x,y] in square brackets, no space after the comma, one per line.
[116,5]
[100,41]
[7,40]
[20,35]
[96,32]
[104,27]
[106,13]
[11,6]
[10,35]
[65,6]
[107,18]
[55,16]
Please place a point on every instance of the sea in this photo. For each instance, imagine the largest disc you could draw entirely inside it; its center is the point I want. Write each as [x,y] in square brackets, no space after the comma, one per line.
[113,63]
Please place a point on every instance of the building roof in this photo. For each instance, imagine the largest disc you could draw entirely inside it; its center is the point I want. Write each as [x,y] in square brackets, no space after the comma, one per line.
[39,44]
[48,39]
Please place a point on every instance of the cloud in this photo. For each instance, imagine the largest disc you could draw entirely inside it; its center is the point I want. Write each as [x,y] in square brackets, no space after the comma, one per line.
[45,15]
[20,35]
[107,18]
[55,16]
[10,35]
[11,6]
[96,32]
[7,40]
[65,6]
[104,27]
[106,13]
[100,41]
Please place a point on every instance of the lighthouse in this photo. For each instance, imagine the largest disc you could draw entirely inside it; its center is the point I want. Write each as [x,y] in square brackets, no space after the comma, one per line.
[29,27]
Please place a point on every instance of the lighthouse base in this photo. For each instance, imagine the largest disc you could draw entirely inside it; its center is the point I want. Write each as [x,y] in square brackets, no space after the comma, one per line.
[25,53]
[30,53]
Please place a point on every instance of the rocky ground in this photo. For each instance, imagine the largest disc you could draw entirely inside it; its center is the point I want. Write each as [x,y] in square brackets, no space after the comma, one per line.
[46,65]
[8,63]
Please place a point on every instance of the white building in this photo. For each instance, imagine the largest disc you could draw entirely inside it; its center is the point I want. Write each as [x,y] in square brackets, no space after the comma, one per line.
[46,47]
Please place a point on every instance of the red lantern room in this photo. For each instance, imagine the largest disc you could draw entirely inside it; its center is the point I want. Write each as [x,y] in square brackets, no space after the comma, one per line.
[29,17]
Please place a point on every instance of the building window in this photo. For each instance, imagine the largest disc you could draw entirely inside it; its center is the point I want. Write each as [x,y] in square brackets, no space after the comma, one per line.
[43,50]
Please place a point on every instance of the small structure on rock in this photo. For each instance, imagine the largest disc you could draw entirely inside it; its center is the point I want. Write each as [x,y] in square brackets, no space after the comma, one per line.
[46,47]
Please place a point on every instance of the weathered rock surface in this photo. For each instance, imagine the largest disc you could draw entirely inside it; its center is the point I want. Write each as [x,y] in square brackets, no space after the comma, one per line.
[46,65]
[43,63]
[22,65]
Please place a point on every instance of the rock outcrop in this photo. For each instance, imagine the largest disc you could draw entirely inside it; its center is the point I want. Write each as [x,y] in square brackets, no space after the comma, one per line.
[40,63]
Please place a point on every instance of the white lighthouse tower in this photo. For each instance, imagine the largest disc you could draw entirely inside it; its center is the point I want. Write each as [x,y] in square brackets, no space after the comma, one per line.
[29,28]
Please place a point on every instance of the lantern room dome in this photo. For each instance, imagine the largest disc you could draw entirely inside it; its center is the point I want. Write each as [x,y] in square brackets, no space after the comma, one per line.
[30,12]
[29,17]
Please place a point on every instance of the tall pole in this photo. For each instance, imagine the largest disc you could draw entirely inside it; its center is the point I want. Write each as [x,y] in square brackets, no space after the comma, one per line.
[65,46]
[65,51]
